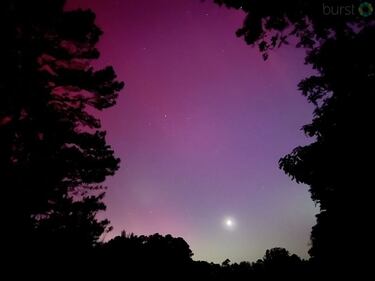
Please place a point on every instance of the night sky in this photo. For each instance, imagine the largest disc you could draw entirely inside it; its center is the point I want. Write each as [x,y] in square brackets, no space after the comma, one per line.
[200,127]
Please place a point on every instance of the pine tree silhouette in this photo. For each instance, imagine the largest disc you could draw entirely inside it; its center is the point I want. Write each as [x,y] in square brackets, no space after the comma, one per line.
[53,154]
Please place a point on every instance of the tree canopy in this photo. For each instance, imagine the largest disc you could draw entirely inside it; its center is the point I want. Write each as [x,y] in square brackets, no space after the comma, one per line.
[335,165]
[271,24]
[53,155]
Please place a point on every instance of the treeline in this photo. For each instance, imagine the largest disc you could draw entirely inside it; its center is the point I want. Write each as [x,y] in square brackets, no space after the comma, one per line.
[132,257]
[140,257]
[170,257]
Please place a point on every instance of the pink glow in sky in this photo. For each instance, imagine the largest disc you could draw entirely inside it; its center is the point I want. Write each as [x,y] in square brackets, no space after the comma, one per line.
[200,127]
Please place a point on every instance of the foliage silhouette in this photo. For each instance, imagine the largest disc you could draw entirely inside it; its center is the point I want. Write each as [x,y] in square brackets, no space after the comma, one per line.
[169,258]
[271,24]
[335,166]
[53,154]
[155,255]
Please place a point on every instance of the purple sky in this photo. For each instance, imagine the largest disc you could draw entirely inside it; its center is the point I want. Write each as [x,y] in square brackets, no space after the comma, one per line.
[200,127]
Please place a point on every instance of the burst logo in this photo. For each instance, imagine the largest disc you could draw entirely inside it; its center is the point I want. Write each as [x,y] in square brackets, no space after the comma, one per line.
[365,9]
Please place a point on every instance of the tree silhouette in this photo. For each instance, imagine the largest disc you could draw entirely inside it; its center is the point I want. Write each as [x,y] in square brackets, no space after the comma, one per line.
[279,262]
[335,165]
[168,258]
[153,256]
[270,24]
[53,154]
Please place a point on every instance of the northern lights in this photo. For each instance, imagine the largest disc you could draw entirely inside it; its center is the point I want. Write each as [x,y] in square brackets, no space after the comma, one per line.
[200,127]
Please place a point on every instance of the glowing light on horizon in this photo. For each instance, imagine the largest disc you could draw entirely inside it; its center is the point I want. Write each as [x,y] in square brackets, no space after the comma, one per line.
[229,223]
